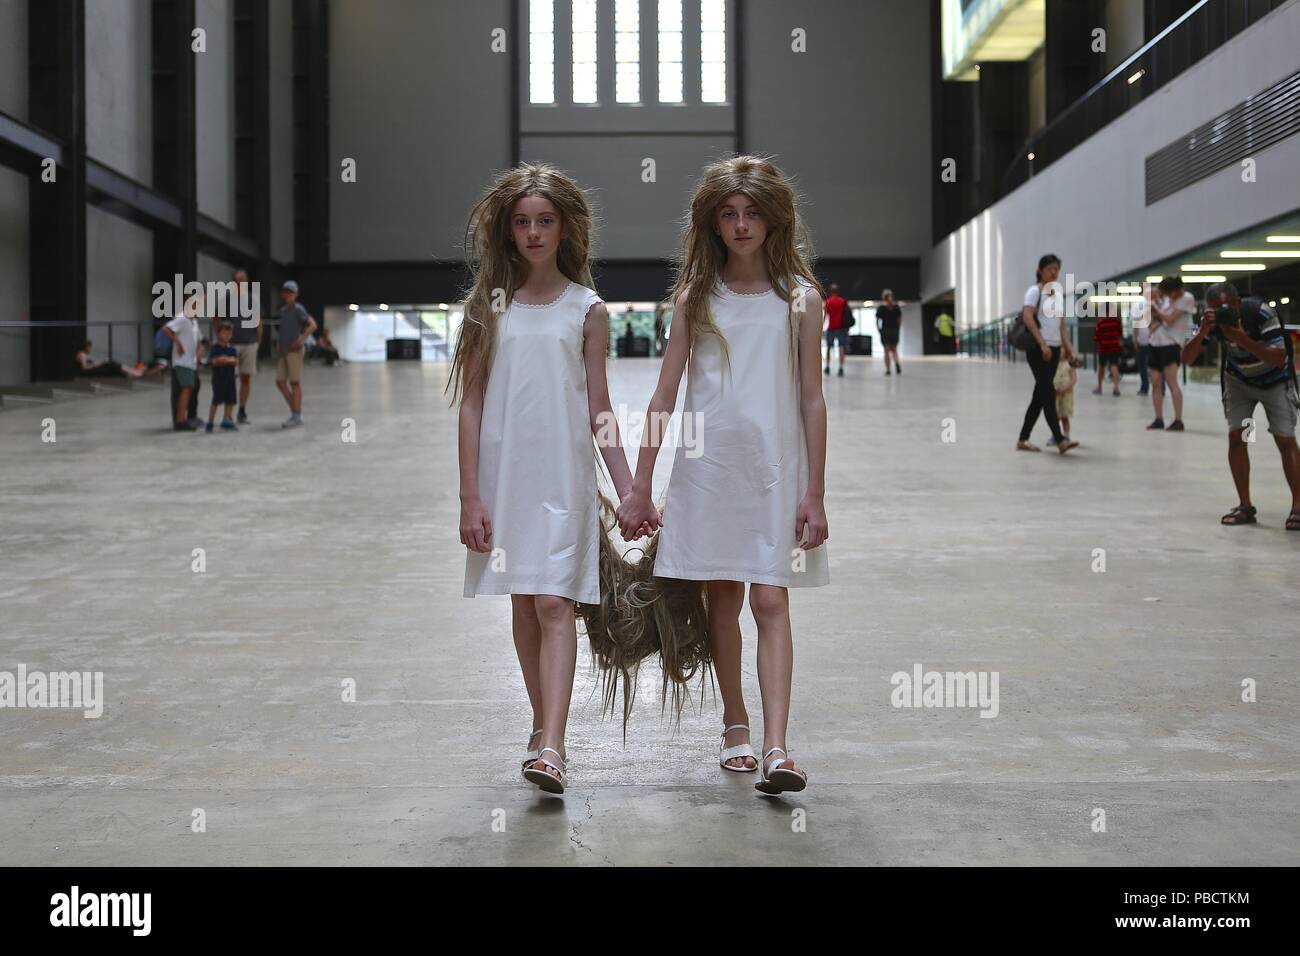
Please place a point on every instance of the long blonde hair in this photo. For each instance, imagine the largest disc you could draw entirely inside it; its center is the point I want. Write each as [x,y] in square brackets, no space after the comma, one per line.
[787,250]
[497,269]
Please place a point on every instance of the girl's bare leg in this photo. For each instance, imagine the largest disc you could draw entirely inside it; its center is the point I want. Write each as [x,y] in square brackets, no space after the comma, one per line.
[770,606]
[528,646]
[725,601]
[557,661]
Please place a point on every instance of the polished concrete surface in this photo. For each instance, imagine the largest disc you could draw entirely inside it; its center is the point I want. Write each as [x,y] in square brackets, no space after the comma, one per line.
[329,560]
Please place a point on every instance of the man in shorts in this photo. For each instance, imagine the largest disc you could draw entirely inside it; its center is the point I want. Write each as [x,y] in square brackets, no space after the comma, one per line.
[1257,368]
[837,329]
[247,339]
[293,325]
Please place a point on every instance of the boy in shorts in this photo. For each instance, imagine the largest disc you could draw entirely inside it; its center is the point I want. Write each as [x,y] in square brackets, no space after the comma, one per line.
[224,361]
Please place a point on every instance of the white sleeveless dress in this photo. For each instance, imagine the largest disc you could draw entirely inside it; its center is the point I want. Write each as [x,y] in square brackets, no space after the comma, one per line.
[536,465]
[730,509]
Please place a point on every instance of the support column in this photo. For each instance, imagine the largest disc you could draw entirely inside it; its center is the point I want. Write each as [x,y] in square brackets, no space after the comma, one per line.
[1071,66]
[1003,122]
[312,164]
[175,250]
[56,49]
[253,130]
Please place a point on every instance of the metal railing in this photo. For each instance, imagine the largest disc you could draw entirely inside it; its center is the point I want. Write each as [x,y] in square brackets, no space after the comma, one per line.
[1205,27]
[126,343]
[122,342]
[988,340]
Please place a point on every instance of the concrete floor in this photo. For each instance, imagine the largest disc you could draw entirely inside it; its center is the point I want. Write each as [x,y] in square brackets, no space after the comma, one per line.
[328,560]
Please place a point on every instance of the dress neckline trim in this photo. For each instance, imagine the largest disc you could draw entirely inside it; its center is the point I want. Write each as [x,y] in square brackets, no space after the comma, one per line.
[543,305]
[744,295]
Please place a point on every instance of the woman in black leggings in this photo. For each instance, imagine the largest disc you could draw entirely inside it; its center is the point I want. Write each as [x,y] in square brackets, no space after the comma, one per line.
[1044,315]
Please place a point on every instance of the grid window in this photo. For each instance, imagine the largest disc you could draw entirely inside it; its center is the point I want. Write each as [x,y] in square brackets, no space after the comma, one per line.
[584,51]
[541,51]
[627,51]
[670,51]
[713,51]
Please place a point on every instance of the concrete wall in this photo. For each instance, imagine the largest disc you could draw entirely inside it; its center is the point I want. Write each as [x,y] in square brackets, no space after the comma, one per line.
[13,58]
[119,98]
[636,219]
[119,286]
[14,281]
[833,117]
[214,119]
[606,146]
[1090,207]
[417,98]
[281,94]
[848,118]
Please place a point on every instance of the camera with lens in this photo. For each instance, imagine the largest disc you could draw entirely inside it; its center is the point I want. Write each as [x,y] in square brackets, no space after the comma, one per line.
[1226,316]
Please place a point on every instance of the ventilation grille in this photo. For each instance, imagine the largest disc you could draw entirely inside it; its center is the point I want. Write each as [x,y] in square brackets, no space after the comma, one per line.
[1244,130]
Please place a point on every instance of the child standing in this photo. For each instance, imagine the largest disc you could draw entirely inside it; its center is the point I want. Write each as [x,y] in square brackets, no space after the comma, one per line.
[183,334]
[224,360]
[1064,382]
[529,374]
[750,508]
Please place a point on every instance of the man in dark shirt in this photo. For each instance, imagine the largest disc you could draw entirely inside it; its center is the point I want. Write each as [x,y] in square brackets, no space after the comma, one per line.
[1257,368]
[889,318]
[247,339]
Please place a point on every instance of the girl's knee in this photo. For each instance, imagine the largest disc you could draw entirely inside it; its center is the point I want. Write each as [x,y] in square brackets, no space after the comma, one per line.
[550,607]
[768,600]
[726,596]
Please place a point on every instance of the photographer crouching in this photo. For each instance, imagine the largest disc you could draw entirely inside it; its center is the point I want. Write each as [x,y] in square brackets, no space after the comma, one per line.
[1255,367]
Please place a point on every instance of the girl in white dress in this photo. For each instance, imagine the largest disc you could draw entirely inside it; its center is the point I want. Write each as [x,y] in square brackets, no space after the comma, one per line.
[746,504]
[529,373]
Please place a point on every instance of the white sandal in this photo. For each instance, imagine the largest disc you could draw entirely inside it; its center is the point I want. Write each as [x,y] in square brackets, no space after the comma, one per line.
[777,779]
[740,750]
[544,778]
[531,755]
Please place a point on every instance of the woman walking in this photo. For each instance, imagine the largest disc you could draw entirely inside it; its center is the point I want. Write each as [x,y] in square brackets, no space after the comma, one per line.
[1044,315]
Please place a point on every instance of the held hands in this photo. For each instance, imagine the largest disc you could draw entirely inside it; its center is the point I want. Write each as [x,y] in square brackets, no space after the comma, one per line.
[811,517]
[637,513]
[475,525]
